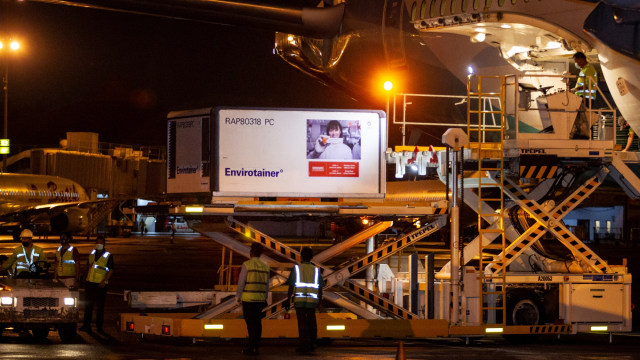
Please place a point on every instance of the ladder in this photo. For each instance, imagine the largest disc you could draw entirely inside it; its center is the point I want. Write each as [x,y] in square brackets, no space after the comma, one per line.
[486,142]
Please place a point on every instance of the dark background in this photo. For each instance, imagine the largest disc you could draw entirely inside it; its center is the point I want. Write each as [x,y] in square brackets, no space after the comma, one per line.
[120,74]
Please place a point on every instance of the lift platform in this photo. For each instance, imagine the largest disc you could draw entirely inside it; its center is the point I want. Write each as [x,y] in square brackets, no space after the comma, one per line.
[524,272]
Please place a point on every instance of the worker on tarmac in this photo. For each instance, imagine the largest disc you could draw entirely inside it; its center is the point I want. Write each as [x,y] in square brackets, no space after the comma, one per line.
[67,263]
[26,257]
[100,270]
[305,284]
[253,288]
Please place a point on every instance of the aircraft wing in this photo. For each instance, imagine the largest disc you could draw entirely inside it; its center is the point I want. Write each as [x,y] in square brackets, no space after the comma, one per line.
[275,15]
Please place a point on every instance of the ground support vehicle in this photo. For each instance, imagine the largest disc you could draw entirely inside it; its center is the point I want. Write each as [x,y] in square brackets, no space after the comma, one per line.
[522,272]
[39,305]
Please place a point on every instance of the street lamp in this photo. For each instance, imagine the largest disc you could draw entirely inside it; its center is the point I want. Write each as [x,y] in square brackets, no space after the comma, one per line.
[6,47]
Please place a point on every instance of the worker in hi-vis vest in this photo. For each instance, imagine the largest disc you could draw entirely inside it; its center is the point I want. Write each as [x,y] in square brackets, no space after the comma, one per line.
[305,284]
[67,263]
[100,270]
[25,257]
[253,288]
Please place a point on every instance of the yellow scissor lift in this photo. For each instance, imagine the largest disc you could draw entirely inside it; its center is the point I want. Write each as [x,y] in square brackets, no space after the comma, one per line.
[370,315]
[490,266]
[507,295]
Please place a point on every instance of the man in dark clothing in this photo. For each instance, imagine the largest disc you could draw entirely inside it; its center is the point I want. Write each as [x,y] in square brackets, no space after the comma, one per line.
[100,270]
[305,284]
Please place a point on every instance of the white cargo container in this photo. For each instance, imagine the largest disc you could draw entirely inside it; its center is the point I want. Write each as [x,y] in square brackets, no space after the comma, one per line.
[261,152]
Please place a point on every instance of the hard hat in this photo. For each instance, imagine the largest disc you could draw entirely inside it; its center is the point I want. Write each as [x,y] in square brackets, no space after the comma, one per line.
[26,233]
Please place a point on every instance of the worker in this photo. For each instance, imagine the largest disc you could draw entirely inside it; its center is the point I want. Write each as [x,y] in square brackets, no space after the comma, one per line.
[586,88]
[67,263]
[26,257]
[624,125]
[305,284]
[253,288]
[587,79]
[100,271]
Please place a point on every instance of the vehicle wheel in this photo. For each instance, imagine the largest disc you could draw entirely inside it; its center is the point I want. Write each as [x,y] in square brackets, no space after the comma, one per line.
[525,312]
[40,334]
[67,332]
[524,308]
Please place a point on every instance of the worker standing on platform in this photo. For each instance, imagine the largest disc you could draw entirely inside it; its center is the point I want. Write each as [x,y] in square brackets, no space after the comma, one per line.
[305,284]
[25,257]
[585,87]
[67,263]
[100,270]
[253,288]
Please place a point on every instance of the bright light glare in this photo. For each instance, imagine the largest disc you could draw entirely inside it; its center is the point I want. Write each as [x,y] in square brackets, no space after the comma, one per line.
[599,328]
[6,300]
[14,45]
[69,301]
[554,45]
[213,326]
[470,69]
[493,330]
[505,26]
[388,85]
[414,167]
[335,327]
[479,37]
[516,50]
[365,221]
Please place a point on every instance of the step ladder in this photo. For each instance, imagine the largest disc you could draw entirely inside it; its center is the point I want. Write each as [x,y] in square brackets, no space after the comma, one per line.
[486,141]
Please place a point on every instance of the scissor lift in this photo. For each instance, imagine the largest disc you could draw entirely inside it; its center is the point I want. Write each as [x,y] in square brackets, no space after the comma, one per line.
[585,291]
[507,275]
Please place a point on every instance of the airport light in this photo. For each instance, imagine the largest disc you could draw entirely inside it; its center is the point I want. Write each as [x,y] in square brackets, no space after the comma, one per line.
[6,47]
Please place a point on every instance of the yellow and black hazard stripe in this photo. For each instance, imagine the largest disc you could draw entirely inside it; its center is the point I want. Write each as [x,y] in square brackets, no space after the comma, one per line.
[550,329]
[379,302]
[538,166]
[440,211]
[568,238]
[518,248]
[538,171]
[265,240]
[560,231]
[387,250]
[584,191]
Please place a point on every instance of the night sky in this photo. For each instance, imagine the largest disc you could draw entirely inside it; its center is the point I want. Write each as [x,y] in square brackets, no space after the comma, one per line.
[120,74]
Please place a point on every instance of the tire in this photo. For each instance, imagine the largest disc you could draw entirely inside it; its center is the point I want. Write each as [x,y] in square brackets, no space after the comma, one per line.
[524,308]
[40,334]
[67,333]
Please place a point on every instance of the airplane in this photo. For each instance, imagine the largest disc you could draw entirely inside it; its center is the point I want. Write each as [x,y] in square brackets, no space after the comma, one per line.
[43,202]
[429,46]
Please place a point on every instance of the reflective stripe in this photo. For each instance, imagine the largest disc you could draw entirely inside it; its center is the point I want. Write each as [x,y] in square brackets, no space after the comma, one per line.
[302,284]
[256,282]
[98,268]
[306,292]
[65,264]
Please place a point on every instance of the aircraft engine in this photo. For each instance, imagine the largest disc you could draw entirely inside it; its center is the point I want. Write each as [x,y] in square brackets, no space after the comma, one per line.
[71,220]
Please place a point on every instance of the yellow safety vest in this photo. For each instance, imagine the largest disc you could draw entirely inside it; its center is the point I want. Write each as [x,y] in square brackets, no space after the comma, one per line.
[584,79]
[24,259]
[307,286]
[255,286]
[98,268]
[66,265]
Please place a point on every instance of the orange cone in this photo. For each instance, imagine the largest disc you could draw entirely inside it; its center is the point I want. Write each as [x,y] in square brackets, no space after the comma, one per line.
[400,354]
